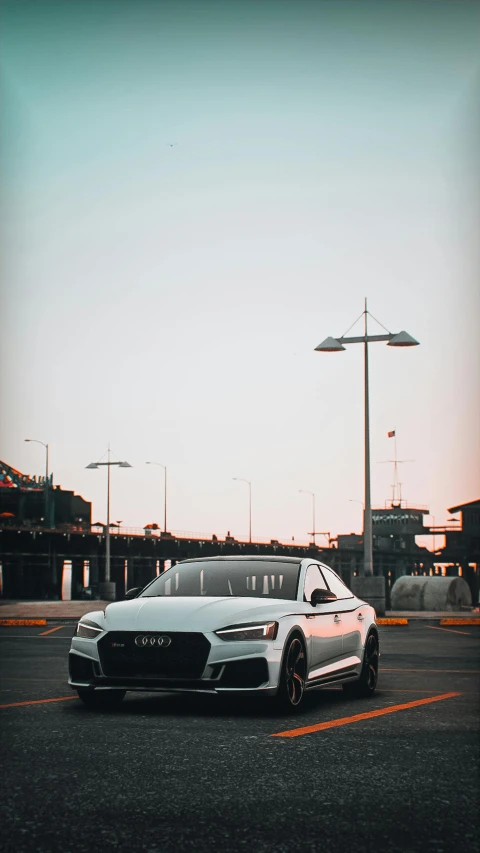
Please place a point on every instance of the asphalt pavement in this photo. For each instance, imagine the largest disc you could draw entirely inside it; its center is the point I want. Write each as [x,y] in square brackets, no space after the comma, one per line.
[167,773]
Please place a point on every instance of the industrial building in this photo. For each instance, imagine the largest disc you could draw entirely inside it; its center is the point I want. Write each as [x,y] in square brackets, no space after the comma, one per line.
[42,535]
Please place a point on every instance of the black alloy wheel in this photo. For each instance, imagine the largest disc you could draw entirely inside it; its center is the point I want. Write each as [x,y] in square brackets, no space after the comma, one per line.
[366,684]
[101,698]
[293,677]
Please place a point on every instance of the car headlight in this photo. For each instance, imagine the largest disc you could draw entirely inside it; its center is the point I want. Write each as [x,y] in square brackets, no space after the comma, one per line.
[88,629]
[250,631]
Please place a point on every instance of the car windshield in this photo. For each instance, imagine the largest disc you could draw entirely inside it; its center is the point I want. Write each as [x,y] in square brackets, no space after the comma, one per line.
[248,579]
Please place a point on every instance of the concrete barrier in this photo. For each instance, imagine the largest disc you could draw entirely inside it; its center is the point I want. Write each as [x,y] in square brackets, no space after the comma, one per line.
[371,590]
[107,591]
[430,593]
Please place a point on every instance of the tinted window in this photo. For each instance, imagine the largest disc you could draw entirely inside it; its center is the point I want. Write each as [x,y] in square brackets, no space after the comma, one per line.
[245,578]
[313,580]
[336,585]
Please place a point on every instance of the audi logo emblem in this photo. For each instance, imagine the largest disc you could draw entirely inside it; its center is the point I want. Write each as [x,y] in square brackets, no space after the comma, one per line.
[162,642]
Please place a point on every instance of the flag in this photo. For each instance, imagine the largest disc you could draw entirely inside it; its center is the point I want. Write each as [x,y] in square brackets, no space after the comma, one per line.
[391,434]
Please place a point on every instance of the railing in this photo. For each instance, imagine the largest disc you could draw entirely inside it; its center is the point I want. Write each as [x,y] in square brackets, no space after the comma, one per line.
[402,503]
[442,528]
[148,533]
[204,537]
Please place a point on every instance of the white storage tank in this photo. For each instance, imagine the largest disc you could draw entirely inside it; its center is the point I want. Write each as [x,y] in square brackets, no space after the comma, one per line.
[430,593]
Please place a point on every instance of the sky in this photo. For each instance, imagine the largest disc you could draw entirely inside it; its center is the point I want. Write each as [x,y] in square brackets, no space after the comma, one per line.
[194,195]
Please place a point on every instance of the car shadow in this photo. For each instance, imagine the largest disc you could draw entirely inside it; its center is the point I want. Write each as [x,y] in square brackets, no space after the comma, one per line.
[222,707]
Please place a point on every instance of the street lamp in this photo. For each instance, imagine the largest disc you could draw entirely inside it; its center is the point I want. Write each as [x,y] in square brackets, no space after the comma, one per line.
[240,479]
[47,503]
[164,493]
[306,492]
[107,589]
[401,339]
[355,501]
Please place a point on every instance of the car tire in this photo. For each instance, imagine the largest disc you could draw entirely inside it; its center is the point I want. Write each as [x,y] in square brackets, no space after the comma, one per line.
[291,690]
[101,698]
[366,684]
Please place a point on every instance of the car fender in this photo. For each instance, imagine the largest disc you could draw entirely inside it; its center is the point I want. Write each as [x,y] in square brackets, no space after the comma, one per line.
[295,629]
[287,627]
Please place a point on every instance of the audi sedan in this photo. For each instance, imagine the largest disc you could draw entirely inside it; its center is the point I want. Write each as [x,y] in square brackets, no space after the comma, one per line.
[276,626]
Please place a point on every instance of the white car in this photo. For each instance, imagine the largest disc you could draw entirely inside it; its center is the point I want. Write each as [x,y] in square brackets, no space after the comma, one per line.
[278,626]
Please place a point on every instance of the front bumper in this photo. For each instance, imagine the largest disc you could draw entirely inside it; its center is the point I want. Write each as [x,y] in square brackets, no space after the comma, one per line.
[225,667]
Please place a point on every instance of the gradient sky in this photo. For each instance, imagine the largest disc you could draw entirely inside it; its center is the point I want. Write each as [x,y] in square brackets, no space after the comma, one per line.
[168,297]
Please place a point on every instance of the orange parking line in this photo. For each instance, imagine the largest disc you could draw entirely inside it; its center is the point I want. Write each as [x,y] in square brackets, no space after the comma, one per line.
[409,690]
[344,721]
[50,631]
[7,623]
[419,669]
[450,630]
[38,701]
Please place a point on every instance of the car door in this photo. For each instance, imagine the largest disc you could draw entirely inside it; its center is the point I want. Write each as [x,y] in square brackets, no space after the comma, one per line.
[324,622]
[353,619]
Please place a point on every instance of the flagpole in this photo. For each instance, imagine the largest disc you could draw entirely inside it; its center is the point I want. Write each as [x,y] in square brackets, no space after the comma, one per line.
[395,475]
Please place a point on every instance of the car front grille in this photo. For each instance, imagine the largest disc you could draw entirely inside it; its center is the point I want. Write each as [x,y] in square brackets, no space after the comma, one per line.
[185,657]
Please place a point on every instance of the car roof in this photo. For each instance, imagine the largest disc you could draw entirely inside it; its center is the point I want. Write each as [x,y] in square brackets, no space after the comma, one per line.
[245,558]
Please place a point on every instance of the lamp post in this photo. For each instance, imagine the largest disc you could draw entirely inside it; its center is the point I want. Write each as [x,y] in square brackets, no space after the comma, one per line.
[306,492]
[400,339]
[241,479]
[355,501]
[47,485]
[164,492]
[107,589]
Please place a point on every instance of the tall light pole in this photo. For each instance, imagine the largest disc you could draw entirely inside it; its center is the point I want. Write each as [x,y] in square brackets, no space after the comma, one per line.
[47,484]
[400,339]
[164,492]
[306,492]
[107,588]
[241,480]
[433,534]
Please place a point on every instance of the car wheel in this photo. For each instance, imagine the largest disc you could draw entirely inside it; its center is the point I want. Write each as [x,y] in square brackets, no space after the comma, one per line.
[293,676]
[367,682]
[101,698]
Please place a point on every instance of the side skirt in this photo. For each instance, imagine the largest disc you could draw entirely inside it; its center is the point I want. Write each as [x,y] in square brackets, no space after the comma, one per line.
[347,673]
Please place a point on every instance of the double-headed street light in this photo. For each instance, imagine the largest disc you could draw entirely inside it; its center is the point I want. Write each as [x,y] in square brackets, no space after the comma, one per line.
[47,484]
[109,591]
[164,492]
[400,339]
[241,480]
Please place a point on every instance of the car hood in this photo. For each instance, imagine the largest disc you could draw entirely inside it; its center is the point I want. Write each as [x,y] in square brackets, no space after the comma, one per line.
[192,613]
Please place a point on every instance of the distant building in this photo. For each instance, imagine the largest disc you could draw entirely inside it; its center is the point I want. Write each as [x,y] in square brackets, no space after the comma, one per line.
[394,529]
[462,545]
[22,502]
[350,541]
[470,517]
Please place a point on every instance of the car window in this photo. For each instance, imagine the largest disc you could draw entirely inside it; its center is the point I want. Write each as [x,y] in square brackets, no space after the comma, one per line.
[245,578]
[313,580]
[336,585]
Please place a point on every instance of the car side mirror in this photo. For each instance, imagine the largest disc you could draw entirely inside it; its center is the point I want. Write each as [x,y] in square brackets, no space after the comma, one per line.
[133,592]
[321,596]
